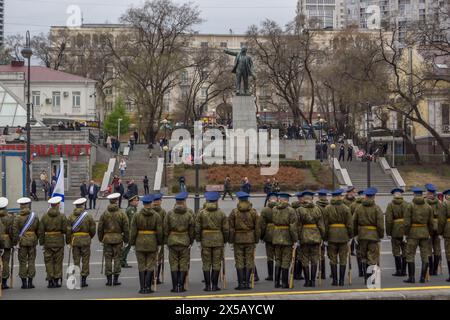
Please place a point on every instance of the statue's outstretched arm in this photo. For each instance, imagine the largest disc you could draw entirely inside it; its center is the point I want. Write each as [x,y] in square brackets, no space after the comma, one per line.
[231,53]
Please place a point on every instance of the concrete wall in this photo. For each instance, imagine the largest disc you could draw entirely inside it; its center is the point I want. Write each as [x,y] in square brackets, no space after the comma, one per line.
[293,149]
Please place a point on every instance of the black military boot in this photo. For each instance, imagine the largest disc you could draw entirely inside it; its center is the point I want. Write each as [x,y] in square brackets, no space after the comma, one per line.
[148,281]
[269,271]
[352,248]
[109,280]
[207,275]
[334,275]
[437,260]
[285,278]
[423,272]
[256,277]
[51,284]
[174,275]
[398,267]
[240,277]
[306,275]
[30,283]
[342,275]
[411,273]
[312,280]
[181,281]
[142,282]
[116,280]
[247,279]
[57,282]
[83,281]
[24,283]
[215,280]
[277,277]
[431,265]
[448,266]
[5,283]
[323,274]
[404,265]
[158,281]
[360,269]
[298,270]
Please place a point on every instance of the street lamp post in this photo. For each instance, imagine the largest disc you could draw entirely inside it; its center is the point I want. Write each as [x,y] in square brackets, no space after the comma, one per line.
[165,149]
[333,147]
[369,160]
[320,138]
[27,53]
[140,130]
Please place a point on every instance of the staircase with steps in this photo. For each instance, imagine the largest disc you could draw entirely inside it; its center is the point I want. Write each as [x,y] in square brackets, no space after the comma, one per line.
[357,171]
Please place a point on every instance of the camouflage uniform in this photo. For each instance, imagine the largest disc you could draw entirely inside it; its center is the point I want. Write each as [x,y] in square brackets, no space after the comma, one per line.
[113,230]
[179,235]
[212,231]
[395,214]
[130,212]
[368,225]
[52,232]
[418,224]
[311,231]
[435,241]
[80,241]
[162,214]
[267,236]
[27,246]
[444,230]
[322,203]
[354,247]
[146,234]
[6,236]
[338,222]
[298,268]
[245,232]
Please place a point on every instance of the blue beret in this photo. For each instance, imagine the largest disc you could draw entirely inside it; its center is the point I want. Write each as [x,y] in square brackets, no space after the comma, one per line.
[337,192]
[147,199]
[395,190]
[181,196]
[157,197]
[284,195]
[299,194]
[242,195]
[323,192]
[430,187]
[416,190]
[446,192]
[212,196]
[370,192]
[308,193]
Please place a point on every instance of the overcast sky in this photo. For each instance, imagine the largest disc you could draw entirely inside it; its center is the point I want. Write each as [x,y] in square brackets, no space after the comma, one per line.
[220,15]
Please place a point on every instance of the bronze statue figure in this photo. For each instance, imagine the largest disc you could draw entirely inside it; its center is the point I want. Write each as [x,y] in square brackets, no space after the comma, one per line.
[243,68]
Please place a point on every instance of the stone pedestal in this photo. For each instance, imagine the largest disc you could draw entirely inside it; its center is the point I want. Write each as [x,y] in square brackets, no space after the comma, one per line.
[244,113]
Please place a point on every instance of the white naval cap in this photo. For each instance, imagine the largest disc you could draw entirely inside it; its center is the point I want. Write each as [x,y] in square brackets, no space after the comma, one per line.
[55,200]
[24,200]
[80,201]
[114,196]
[4,202]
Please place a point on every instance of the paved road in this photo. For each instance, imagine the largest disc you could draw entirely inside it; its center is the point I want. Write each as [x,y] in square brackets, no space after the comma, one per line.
[129,279]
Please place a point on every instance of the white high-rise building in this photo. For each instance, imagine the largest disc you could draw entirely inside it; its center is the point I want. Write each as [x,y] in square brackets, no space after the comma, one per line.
[2,21]
[325,14]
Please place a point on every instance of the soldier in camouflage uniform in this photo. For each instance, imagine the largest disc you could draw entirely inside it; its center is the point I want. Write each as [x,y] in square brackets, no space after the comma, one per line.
[285,237]
[52,233]
[418,224]
[354,248]
[6,236]
[368,226]
[245,232]
[113,231]
[338,222]
[212,231]
[133,203]
[80,231]
[395,214]
[436,205]
[444,227]
[25,234]
[322,203]
[267,232]
[179,235]
[146,234]
[298,268]
[156,205]
[311,231]
[350,196]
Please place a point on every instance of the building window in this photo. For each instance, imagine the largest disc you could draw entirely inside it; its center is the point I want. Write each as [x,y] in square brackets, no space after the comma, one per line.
[184,77]
[108,91]
[204,92]
[108,106]
[56,98]
[36,98]
[445,110]
[204,44]
[223,44]
[76,99]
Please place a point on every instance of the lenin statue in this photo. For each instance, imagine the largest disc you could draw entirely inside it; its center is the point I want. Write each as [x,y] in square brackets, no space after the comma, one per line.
[243,68]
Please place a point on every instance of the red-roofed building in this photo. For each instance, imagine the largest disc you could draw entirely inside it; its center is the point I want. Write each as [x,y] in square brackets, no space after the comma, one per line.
[56,95]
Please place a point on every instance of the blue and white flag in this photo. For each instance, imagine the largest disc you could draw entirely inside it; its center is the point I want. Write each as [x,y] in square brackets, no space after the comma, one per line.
[59,188]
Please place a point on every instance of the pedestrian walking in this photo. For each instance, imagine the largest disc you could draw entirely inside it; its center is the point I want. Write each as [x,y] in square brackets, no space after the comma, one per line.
[33,191]
[182,183]
[122,167]
[341,153]
[93,190]
[227,188]
[118,188]
[350,153]
[246,186]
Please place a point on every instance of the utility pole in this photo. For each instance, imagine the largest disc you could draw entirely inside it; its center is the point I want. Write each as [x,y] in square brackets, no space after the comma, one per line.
[369,160]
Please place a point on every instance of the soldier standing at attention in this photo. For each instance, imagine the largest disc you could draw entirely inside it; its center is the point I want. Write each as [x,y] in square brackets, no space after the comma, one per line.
[25,233]
[285,237]
[146,235]
[444,227]
[113,231]
[436,205]
[156,205]
[298,269]
[311,231]
[245,232]
[267,231]
[6,236]
[179,235]
[80,232]
[212,231]
[353,246]
[368,226]
[133,203]
[395,214]
[52,232]
[338,222]
[418,224]
[322,203]
[350,196]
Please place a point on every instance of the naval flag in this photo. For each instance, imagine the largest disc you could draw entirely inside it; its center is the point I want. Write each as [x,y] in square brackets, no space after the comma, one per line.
[59,188]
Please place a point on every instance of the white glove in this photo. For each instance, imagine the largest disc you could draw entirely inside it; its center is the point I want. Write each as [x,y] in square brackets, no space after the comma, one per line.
[356,240]
[1,252]
[325,243]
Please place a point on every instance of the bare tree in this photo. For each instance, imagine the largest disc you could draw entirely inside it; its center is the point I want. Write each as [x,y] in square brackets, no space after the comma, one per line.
[51,48]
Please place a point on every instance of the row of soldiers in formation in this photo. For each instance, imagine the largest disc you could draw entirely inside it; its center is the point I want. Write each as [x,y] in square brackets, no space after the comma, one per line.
[325,225]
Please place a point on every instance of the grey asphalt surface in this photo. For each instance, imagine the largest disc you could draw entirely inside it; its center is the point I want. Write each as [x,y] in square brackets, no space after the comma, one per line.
[130,284]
